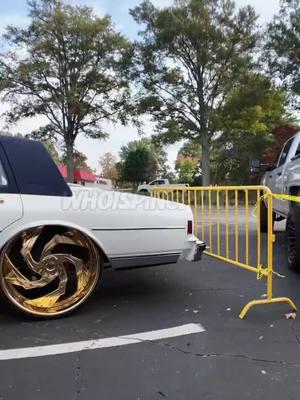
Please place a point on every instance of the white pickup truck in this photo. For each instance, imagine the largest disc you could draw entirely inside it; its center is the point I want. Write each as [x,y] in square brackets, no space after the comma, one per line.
[283,177]
[146,187]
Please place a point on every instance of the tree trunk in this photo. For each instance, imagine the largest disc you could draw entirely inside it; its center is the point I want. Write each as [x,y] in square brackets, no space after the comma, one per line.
[205,160]
[70,161]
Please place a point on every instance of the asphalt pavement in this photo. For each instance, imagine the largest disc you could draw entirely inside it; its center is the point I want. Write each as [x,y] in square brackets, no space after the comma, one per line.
[257,358]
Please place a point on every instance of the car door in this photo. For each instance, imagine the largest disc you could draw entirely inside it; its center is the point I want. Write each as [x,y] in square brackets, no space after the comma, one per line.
[277,175]
[11,208]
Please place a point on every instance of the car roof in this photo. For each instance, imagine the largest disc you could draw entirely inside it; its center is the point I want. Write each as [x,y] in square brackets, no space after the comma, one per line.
[33,168]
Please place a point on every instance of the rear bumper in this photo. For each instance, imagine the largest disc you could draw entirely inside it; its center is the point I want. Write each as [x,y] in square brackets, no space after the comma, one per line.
[193,250]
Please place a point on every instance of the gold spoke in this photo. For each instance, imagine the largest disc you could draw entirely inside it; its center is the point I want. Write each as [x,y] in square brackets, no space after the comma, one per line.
[15,277]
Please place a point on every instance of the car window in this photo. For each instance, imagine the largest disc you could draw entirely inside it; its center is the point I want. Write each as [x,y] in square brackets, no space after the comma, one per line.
[3,177]
[285,152]
[154,183]
[298,150]
[161,182]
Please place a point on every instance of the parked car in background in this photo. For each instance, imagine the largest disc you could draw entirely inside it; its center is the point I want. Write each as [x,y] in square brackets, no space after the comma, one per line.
[283,177]
[146,187]
[56,239]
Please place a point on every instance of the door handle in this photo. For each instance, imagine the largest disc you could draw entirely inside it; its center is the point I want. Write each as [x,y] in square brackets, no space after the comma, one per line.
[279,173]
[270,176]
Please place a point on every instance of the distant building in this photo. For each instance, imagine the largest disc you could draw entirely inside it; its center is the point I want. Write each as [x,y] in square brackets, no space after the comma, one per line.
[87,178]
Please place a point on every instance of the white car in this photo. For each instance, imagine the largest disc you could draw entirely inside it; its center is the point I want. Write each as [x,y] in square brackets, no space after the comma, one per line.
[57,239]
[147,187]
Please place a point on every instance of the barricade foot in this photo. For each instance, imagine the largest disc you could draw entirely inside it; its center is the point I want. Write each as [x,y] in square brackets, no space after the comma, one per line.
[267,301]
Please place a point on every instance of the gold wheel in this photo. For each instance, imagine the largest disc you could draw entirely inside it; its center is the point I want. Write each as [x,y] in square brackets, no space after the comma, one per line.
[49,271]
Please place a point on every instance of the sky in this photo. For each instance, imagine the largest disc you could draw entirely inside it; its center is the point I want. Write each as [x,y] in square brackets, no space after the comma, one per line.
[15,12]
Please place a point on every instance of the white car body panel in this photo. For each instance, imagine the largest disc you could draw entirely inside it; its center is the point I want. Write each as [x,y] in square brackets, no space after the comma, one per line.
[121,228]
[286,175]
[11,209]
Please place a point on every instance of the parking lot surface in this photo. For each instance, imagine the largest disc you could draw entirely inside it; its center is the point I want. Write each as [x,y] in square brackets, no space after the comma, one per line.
[257,358]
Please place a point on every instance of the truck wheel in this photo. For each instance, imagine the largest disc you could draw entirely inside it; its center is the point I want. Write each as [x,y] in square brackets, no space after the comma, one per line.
[264,218]
[293,238]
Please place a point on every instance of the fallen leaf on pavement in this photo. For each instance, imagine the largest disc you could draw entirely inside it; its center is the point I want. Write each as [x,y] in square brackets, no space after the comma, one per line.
[263,372]
[291,315]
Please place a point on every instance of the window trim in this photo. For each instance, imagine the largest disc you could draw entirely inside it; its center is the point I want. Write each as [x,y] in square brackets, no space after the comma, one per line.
[11,186]
[287,143]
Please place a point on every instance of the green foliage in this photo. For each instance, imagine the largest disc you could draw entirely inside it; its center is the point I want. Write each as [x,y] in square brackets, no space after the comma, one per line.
[135,167]
[187,164]
[80,161]
[153,165]
[190,57]
[50,146]
[186,167]
[190,149]
[251,112]
[69,66]
[282,47]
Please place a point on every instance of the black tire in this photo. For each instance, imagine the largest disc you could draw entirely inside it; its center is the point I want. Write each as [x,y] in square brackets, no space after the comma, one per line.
[293,238]
[264,218]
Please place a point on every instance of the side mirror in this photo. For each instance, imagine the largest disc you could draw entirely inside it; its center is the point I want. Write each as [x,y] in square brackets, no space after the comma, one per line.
[268,167]
[255,166]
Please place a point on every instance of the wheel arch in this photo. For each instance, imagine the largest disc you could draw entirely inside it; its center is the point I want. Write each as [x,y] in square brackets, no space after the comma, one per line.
[12,231]
[294,191]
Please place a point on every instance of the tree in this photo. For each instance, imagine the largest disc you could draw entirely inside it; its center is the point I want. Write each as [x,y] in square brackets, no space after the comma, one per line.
[186,167]
[50,146]
[108,165]
[79,159]
[69,66]
[251,112]
[190,149]
[155,162]
[282,47]
[188,163]
[189,58]
[136,164]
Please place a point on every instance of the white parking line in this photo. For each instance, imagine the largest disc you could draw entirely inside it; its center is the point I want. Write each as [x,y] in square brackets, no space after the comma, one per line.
[41,351]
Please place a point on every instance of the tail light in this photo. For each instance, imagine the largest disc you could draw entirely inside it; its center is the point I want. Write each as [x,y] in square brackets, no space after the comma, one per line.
[190,227]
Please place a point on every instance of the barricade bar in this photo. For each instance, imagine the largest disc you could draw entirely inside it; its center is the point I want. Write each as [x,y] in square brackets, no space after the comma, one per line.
[223,218]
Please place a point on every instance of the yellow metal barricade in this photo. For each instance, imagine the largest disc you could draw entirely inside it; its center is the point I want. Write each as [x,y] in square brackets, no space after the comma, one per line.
[232,208]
